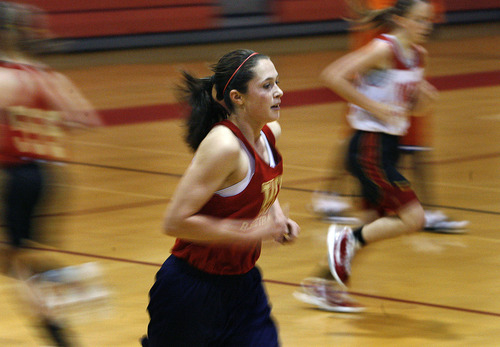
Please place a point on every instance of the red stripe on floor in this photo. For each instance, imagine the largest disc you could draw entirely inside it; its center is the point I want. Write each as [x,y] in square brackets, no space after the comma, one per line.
[140,114]
[304,97]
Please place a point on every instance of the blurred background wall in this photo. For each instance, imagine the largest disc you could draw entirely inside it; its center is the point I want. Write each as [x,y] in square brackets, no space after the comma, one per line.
[94,25]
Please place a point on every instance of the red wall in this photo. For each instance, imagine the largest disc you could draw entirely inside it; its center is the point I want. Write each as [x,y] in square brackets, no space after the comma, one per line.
[468,5]
[94,18]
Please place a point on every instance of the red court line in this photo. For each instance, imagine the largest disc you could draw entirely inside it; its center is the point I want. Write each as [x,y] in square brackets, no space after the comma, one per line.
[303,97]
[140,114]
[378,297]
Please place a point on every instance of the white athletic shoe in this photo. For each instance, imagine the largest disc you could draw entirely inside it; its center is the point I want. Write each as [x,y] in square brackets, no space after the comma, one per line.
[341,248]
[76,292]
[327,296]
[332,208]
[438,222]
[329,204]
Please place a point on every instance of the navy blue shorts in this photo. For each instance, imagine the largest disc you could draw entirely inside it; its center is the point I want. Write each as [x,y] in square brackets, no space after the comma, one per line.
[22,192]
[189,307]
[372,159]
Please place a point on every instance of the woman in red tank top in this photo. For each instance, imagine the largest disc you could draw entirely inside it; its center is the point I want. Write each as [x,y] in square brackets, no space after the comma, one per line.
[209,292]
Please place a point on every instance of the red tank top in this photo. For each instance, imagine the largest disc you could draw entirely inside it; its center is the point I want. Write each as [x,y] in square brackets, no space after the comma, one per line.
[29,127]
[251,203]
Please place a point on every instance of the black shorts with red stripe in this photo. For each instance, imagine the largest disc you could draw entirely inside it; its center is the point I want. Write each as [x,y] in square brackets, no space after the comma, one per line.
[372,159]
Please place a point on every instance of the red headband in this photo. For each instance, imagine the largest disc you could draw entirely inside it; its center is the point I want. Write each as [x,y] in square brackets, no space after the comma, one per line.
[234,73]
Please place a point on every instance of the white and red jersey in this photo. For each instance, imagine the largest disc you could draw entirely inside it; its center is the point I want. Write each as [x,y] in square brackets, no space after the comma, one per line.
[395,86]
[251,200]
[30,128]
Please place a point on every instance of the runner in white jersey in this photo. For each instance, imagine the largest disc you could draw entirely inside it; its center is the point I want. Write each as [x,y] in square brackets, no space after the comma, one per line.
[332,202]
[384,82]
[394,86]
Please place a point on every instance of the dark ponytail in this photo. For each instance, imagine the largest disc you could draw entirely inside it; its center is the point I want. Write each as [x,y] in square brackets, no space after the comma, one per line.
[204,110]
[233,71]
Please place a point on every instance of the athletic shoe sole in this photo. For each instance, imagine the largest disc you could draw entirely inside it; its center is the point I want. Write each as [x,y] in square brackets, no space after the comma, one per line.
[343,220]
[448,227]
[438,230]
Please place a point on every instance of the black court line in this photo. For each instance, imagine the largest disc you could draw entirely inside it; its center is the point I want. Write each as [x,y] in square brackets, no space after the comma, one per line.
[111,167]
[138,204]
[287,187]
[151,172]
[291,284]
[466,209]
[141,204]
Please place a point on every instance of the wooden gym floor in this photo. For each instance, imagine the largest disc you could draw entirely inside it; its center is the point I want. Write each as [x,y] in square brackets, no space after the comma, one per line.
[420,290]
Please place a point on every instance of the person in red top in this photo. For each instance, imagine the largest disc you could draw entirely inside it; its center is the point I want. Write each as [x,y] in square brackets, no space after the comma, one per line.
[37,105]
[209,291]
